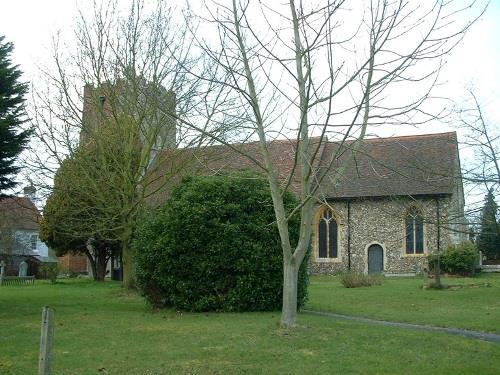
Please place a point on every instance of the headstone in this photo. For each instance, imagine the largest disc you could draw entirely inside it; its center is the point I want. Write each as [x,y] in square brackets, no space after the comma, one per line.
[23,269]
[2,268]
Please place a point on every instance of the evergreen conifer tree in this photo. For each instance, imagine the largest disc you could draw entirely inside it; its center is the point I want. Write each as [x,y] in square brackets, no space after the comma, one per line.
[488,240]
[13,138]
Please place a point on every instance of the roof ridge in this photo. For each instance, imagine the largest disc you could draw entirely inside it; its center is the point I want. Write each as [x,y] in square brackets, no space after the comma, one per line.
[413,136]
[228,144]
[409,136]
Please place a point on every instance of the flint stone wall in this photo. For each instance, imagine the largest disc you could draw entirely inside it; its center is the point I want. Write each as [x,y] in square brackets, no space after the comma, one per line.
[382,221]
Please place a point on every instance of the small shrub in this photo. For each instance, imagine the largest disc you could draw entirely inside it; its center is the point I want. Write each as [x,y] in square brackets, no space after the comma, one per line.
[356,280]
[461,259]
[47,271]
[64,271]
[432,261]
[215,246]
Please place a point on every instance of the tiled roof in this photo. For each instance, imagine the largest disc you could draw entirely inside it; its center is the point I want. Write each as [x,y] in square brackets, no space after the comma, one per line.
[411,165]
[211,160]
[18,213]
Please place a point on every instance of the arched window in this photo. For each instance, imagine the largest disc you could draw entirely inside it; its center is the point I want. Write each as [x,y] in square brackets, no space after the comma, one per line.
[327,235]
[414,232]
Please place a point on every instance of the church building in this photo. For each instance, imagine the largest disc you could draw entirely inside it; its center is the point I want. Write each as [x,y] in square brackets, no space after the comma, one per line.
[399,199]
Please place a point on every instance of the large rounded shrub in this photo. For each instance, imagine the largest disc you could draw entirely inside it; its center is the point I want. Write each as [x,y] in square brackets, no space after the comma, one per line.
[215,247]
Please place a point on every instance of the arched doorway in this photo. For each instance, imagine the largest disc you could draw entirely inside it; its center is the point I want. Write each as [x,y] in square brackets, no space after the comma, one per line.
[375,259]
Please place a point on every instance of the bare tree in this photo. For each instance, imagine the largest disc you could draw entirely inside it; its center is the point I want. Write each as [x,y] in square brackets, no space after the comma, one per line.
[482,171]
[484,140]
[307,71]
[129,61]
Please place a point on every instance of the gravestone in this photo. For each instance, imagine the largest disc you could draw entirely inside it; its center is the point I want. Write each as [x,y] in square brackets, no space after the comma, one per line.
[23,269]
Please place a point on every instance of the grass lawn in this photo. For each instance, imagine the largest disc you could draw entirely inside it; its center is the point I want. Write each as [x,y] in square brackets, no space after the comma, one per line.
[100,329]
[402,300]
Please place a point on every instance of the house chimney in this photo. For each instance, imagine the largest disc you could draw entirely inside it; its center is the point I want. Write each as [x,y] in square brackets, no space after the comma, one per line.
[30,192]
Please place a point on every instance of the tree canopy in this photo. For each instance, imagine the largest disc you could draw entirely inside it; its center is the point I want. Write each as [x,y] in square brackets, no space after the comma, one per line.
[75,217]
[13,139]
[488,240]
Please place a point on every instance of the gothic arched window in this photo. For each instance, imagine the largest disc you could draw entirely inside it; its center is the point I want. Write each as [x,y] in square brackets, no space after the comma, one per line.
[414,232]
[327,235]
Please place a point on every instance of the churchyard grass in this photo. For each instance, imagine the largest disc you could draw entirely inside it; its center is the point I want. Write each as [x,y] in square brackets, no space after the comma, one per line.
[402,300]
[102,329]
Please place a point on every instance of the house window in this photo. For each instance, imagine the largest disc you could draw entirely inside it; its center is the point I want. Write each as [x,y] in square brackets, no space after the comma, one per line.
[34,240]
[414,232]
[327,235]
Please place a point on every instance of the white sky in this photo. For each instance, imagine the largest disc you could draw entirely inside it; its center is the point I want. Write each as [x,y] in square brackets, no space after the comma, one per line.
[31,24]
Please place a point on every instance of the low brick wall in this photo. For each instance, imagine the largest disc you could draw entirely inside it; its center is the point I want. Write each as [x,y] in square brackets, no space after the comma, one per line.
[73,263]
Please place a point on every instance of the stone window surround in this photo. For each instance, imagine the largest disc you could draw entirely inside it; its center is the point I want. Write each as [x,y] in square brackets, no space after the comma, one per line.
[424,232]
[340,237]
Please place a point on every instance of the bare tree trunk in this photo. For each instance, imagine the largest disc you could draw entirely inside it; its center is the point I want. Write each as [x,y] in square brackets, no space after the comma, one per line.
[437,272]
[289,309]
[128,260]
[92,262]
[101,265]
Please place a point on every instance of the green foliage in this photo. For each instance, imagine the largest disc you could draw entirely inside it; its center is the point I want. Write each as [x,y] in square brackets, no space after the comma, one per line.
[73,213]
[488,240]
[74,216]
[459,259]
[13,138]
[215,247]
[47,271]
[356,280]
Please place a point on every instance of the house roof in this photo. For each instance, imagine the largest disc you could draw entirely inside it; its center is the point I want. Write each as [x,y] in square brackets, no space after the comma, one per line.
[395,166]
[409,165]
[18,213]
[47,259]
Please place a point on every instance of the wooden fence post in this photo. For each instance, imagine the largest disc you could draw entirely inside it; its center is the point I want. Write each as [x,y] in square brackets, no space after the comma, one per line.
[46,341]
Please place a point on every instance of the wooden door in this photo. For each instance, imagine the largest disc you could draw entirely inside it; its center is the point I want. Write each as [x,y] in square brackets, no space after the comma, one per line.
[375,259]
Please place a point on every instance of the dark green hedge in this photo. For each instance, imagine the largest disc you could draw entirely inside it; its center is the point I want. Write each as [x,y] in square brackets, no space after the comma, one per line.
[215,247]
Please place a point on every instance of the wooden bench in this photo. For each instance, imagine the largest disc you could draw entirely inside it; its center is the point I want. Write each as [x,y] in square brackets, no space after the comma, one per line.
[17,280]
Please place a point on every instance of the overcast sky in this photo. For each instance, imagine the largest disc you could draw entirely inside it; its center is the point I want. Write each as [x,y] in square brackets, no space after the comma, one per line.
[31,24]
